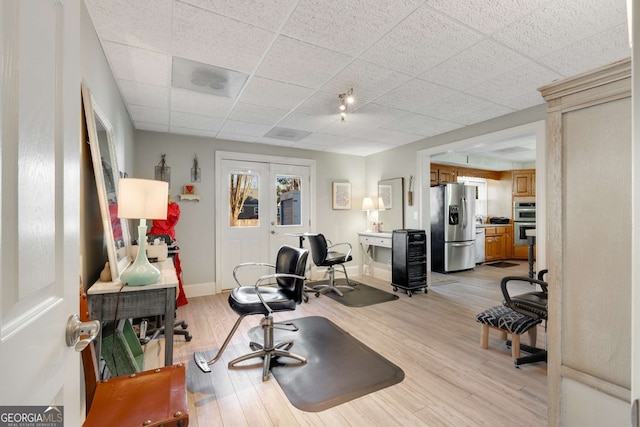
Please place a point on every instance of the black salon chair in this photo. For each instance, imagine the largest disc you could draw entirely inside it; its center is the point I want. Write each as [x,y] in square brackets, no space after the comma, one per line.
[154,329]
[265,299]
[324,255]
[532,304]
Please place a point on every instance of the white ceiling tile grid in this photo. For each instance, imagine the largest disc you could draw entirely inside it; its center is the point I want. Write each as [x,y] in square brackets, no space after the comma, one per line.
[418,68]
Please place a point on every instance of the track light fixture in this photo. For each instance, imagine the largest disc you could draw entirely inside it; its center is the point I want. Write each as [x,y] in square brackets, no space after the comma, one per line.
[345,100]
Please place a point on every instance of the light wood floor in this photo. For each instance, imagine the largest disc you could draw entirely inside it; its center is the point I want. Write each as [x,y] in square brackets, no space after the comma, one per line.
[433,337]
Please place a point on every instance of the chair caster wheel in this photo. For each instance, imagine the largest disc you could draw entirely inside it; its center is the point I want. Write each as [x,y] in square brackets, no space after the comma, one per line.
[188,338]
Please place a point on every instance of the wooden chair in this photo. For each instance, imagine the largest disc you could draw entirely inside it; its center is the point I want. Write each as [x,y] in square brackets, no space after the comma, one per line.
[150,398]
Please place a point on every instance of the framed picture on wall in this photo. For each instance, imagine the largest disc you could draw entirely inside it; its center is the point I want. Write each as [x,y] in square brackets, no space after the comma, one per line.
[341,195]
[385,193]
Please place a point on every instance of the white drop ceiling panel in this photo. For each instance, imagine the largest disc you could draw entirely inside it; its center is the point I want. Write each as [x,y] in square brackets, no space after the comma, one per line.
[145,94]
[200,103]
[211,38]
[195,121]
[345,26]
[268,14]
[423,40]
[301,63]
[138,65]
[418,68]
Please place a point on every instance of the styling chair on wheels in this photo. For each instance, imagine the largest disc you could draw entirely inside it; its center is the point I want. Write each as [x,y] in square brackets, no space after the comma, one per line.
[324,255]
[159,324]
[531,304]
[265,299]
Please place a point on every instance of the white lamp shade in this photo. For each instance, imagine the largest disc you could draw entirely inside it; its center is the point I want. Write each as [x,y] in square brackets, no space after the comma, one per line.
[367,204]
[142,198]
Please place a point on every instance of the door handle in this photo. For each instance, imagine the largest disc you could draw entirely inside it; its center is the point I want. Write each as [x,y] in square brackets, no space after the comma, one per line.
[76,328]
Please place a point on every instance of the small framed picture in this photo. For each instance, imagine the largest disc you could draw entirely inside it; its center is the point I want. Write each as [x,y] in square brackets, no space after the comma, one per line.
[385,193]
[189,189]
[341,195]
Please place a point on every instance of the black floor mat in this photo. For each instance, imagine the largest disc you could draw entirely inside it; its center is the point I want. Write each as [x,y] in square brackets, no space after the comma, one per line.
[360,296]
[339,368]
[502,264]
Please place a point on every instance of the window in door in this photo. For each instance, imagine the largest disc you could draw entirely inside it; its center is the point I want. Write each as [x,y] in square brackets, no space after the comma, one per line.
[288,200]
[244,202]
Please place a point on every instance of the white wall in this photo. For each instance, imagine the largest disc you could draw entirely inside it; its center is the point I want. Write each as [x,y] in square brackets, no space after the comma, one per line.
[96,74]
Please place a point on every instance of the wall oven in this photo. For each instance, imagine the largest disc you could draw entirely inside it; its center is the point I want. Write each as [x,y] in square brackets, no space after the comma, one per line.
[524,211]
[524,218]
[519,232]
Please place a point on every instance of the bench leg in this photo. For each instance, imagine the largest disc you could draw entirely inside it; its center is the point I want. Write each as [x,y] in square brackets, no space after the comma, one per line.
[484,336]
[515,346]
[533,336]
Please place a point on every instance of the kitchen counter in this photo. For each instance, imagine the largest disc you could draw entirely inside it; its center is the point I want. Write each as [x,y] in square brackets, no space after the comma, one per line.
[485,225]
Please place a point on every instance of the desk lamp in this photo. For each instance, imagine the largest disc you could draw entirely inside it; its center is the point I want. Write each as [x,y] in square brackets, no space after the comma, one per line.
[370,204]
[142,199]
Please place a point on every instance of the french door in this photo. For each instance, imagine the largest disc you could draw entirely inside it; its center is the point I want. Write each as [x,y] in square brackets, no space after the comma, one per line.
[263,203]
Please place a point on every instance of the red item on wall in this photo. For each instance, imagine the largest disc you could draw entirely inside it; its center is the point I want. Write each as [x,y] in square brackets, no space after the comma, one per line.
[167,226]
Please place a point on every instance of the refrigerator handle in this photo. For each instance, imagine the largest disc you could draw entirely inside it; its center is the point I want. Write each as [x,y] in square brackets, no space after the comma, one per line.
[458,245]
[463,203]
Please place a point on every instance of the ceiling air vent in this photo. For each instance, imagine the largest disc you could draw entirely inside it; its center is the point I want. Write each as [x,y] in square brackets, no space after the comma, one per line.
[199,77]
[287,134]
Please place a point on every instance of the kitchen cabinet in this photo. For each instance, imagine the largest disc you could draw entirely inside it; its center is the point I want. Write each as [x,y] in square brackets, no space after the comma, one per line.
[442,175]
[498,242]
[524,183]
[447,175]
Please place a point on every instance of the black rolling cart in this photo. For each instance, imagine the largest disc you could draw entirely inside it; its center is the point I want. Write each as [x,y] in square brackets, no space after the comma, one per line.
[409,260]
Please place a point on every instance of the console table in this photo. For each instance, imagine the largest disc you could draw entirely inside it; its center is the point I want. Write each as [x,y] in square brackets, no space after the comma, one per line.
[112,301]
[368,240]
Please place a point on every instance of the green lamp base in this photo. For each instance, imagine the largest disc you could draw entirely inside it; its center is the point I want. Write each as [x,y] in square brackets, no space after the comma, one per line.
[141,272]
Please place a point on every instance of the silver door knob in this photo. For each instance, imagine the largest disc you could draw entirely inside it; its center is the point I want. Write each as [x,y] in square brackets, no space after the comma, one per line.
[76,329]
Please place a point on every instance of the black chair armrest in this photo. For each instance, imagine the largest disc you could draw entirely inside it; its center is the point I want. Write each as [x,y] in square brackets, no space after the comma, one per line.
[512,301]
[542,273]
[342,244]
[270,277]
[249,264]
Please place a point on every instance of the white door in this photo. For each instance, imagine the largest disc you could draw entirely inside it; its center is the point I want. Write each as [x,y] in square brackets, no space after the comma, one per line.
[39,188]
[272,207]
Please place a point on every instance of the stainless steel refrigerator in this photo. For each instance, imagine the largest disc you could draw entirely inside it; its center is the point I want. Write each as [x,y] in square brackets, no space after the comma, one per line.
[452,227]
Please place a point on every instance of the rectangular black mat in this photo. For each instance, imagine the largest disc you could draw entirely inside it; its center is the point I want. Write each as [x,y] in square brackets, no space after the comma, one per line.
[502,264]
[339,368]
[360,296]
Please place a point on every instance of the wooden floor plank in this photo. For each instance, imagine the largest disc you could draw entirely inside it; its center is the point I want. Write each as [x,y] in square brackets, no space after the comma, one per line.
[433,337]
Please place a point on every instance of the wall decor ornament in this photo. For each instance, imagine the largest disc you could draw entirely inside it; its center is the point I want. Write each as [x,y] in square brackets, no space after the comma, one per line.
[341,195]
[195,170]
[163,172]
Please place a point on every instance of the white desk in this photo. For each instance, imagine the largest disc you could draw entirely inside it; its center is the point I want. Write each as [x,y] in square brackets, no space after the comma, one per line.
[368,240]
[112,301]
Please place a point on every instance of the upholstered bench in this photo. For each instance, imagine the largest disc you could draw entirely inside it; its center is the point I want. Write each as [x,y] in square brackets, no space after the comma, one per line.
[507,321]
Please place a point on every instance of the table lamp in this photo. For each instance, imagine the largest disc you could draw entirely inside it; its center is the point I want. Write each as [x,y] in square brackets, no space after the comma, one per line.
[142,199]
